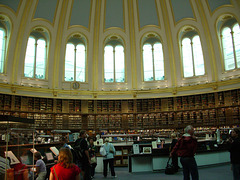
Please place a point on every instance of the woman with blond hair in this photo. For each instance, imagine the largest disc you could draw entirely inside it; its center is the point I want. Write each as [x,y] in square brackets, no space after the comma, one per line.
[65,169]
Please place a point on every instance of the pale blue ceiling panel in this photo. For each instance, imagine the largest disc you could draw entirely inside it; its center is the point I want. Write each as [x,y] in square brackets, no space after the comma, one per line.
[182,9]
[81,13]
[114,14]
[12,4]
[217,3]
[147,13]
[46,9]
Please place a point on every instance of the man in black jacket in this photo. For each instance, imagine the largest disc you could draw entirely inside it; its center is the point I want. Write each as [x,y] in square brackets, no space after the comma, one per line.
[84,163]
[234,149]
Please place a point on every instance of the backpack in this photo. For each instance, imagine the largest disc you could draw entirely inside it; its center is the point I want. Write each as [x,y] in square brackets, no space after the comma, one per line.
[77,151]
[103,151]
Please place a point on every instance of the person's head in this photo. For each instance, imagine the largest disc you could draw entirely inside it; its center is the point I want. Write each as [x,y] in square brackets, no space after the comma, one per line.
[173,135]
[235,132]
[65,157]
[37,155]
[189,129]
[106,140]
[83,134]
[91,141]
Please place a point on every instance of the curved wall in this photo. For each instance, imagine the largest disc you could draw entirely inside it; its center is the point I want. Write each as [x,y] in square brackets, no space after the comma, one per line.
[130,20]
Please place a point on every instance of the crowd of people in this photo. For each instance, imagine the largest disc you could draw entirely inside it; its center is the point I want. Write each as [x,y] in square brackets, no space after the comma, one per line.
[75,163]
[80,161]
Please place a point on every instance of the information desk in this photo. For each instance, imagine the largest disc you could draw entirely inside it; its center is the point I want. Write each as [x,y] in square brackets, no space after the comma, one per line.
[157,161]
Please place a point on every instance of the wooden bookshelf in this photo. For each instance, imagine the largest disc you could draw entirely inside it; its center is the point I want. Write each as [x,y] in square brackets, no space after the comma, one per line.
[210,109]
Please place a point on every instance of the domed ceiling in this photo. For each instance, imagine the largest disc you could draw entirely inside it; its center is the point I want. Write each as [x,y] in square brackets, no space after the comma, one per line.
[131,22]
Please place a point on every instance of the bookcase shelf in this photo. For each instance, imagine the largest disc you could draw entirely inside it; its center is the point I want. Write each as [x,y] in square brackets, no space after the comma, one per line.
[209,109]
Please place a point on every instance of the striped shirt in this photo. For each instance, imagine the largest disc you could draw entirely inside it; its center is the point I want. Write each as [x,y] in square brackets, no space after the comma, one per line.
[3,164]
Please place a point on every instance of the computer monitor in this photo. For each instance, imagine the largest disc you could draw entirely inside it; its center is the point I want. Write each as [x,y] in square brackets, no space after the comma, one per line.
[49,156]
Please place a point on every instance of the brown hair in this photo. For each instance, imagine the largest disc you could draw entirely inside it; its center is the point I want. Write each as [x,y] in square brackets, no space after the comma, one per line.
[82,132]
[65,157]
[237,130]
[38,155]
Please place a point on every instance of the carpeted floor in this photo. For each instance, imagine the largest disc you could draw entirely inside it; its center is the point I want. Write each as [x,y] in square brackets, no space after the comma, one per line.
[220,172]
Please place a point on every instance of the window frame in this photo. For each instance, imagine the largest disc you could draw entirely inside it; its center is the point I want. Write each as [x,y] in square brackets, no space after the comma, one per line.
[4,42]
[152,41]
[75,42]
[37,36]
[191,35]
[229,24]
[114,43]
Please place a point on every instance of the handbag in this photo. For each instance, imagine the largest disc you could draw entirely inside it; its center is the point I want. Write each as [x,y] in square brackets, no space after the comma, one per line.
[169,168]
[93,159]
[103,151]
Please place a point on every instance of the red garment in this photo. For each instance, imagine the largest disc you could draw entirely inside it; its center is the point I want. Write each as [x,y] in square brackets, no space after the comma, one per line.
[19,170]
[65,173]
[185,147]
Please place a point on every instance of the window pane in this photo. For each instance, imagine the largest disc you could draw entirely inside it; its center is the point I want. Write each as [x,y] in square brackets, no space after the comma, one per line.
[41,59]
[228,49]
[29,58]
[198,57]
[236,37]
[147,62]
[119,64]
[69,63]
[158,61]
[80,63]
[2,49]
[187,58]
[108,64]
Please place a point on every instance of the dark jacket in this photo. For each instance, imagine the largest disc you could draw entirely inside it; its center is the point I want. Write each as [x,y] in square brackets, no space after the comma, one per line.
[174,142]
[186,146]
[234,149]
[81,144]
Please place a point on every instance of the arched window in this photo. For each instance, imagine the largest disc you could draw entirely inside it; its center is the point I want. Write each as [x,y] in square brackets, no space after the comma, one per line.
[75,60]
[230,35]
[192,55]
[114,62]
[153,61]
[2,49]
[36,56]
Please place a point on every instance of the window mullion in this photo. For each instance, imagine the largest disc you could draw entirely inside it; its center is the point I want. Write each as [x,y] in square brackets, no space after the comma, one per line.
[234,51]
[153,64]
[114,77]
[75,59]
[193,58]
[35,60]
[5,50]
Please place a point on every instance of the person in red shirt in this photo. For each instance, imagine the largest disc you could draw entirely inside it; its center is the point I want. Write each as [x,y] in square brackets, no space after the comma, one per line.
[186,148]
[65,169]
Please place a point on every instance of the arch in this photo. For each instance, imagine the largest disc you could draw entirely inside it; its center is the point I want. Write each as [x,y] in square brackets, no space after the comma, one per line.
[152,58]
[5,29]
[229,37]
[35,63]
[75,58]
[192,58]
[114,59]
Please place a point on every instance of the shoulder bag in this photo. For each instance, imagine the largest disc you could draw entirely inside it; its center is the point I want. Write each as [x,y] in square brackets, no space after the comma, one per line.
[55,173]
[169,168]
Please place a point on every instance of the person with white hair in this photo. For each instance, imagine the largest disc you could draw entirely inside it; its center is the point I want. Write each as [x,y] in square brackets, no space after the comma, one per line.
[186,148]
[109,158]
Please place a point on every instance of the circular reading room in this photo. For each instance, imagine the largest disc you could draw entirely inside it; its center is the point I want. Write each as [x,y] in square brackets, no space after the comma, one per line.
[135,74]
